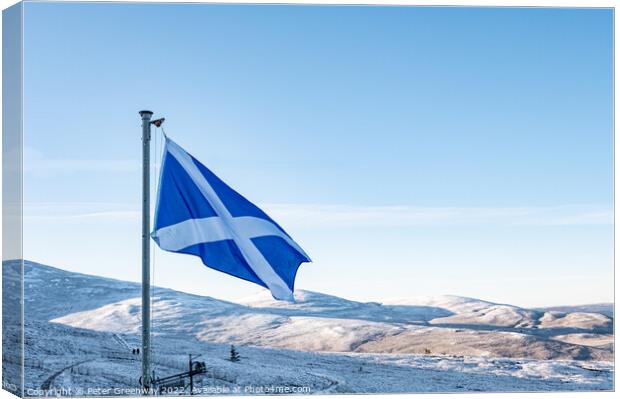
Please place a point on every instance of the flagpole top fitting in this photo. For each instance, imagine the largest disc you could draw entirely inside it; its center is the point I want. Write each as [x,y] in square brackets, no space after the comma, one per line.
[146,114]
[158,122]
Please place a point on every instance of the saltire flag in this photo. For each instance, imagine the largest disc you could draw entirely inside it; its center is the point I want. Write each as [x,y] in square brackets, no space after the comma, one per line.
[198,214]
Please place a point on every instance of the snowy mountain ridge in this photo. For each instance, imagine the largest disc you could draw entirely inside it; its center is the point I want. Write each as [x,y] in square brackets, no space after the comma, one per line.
[79,330]
[318,322]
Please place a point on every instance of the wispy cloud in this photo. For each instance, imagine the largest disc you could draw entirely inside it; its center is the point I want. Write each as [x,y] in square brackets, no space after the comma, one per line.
[397,216]
[80,212]
[343,216]
[37,163]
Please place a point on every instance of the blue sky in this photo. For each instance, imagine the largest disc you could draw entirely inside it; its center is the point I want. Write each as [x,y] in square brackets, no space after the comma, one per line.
[409,150]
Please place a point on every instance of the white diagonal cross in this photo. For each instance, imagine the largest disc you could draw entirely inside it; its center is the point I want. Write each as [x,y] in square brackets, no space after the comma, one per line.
[224,227]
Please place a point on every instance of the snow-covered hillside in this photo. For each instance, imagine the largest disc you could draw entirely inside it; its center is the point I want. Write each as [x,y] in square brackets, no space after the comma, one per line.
[80,328]
[318,322]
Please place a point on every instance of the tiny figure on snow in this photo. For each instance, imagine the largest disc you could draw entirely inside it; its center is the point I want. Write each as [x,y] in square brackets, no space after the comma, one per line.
[234,355]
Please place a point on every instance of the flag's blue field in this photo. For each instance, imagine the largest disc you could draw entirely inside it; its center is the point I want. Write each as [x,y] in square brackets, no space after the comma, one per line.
[198,214]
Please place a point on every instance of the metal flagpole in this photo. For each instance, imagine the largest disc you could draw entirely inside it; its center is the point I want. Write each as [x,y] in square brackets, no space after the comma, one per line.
[146,248]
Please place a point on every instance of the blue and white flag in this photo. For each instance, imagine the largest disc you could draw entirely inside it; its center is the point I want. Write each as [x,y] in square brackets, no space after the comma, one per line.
[198,214]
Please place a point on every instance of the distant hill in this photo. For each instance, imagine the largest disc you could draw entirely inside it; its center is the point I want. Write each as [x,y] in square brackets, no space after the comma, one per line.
[80,330]
[606,309]
[318,322]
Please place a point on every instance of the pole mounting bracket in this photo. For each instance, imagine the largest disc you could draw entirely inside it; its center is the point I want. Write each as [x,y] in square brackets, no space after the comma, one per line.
[158,122]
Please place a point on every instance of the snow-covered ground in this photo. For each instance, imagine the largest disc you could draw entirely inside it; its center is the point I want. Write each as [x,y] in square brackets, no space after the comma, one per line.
[79,331]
